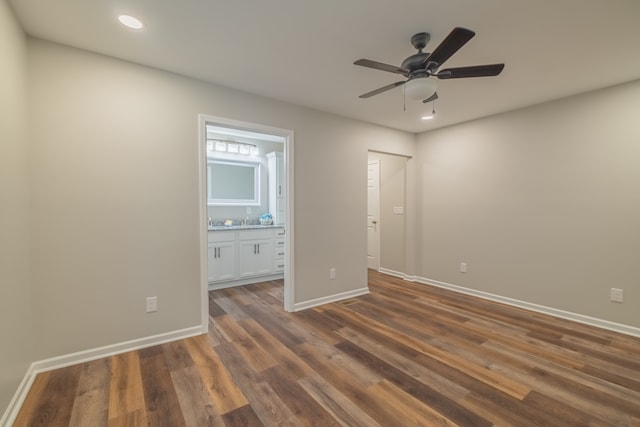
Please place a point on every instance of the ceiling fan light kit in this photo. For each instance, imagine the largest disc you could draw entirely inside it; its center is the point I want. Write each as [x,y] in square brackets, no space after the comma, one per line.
[419,67]
[420,88]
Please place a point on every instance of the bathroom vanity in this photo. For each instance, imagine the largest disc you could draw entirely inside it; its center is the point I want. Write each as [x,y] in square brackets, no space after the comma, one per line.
[240,255]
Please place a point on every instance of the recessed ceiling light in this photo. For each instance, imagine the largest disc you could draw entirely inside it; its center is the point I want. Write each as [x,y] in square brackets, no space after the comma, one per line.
[130,21]
[427,117]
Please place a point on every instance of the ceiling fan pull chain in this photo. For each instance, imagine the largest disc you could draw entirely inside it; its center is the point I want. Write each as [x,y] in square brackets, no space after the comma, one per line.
[404,98]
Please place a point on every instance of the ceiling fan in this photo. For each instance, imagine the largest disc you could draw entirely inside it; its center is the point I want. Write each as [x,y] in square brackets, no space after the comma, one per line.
[418,67]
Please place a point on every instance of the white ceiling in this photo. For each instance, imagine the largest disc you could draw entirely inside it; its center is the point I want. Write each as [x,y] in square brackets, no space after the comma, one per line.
[302,51]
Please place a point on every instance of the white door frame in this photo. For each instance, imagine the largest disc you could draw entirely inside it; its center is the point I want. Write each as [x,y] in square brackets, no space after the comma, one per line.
[376,221]
[287,136]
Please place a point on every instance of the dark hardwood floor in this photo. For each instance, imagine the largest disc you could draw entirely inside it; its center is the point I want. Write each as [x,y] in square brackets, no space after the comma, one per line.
[407,354]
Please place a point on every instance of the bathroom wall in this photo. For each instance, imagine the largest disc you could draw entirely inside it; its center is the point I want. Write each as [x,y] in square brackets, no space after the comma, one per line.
[220,213]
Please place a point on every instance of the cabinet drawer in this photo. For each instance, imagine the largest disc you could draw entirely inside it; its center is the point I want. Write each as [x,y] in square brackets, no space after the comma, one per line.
[278,265]
[278,252]
[255,234]
[279,232]
[221,236]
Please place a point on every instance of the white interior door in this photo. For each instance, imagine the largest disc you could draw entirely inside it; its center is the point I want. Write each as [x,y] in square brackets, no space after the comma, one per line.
[373,214]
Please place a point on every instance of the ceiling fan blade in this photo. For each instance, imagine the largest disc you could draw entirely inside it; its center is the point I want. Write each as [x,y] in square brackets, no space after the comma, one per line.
[431,98]
[382,89]
[473,71]
[380,66]
[457,38]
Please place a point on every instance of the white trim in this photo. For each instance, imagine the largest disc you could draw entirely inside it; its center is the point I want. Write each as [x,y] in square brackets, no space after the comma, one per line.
[203,232]
[580,318]
[110,350]
[399,274]
[10,414]
[331,298]
[391,272]
[289,288]
[85,356]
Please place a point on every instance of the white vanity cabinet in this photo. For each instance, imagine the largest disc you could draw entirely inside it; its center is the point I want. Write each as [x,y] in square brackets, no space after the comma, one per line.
[255,252]
[222,256]
[275,163]
[243,256]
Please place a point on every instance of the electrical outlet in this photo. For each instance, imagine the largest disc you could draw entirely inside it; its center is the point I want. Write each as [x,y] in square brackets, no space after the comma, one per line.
[463,267]
[152,304]
[249,211]
[616,295]
[332,273]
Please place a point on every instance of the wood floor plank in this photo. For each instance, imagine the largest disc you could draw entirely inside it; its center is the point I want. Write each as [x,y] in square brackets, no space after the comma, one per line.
[161,399]
[308,411]
[269,407]
[126,395]
[130,419]
[407,410]
[54,403]
[176,355]
[221,387]
[33,400]
[406,364]
[244,416]
[91,405]
[422,392]
[404,354]
[196,404]
[285,357]
[499,382]
[343,410]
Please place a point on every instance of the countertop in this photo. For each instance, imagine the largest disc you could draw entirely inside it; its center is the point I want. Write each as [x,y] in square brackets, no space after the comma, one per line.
[243,227]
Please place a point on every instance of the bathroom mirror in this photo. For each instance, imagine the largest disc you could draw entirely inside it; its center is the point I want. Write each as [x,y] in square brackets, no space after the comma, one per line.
[231,183]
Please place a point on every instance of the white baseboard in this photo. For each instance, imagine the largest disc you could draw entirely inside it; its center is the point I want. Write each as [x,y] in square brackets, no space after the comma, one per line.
[17,400]
[580,318]
[399,274]
[331,298]
[85,356]
[391,272]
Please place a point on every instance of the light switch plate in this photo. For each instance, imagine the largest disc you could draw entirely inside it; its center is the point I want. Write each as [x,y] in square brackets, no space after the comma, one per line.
[617,295]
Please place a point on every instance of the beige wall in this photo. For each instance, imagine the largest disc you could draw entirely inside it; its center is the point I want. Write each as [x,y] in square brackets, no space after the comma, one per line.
[115,191]
[393,227]
[16,329]
[542,204]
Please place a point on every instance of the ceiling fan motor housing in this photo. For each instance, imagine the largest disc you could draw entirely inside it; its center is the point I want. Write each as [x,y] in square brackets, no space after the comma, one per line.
[416,62]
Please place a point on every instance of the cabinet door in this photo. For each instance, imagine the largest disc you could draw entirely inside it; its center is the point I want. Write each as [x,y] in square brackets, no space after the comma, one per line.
[222,261]
[264,265]
[247,253]
[255,257]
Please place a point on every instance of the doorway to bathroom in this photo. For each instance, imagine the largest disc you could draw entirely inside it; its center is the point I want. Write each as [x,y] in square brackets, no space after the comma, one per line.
[246,193]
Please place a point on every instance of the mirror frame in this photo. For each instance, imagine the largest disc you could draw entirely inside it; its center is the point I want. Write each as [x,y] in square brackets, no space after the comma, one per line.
[255,201]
